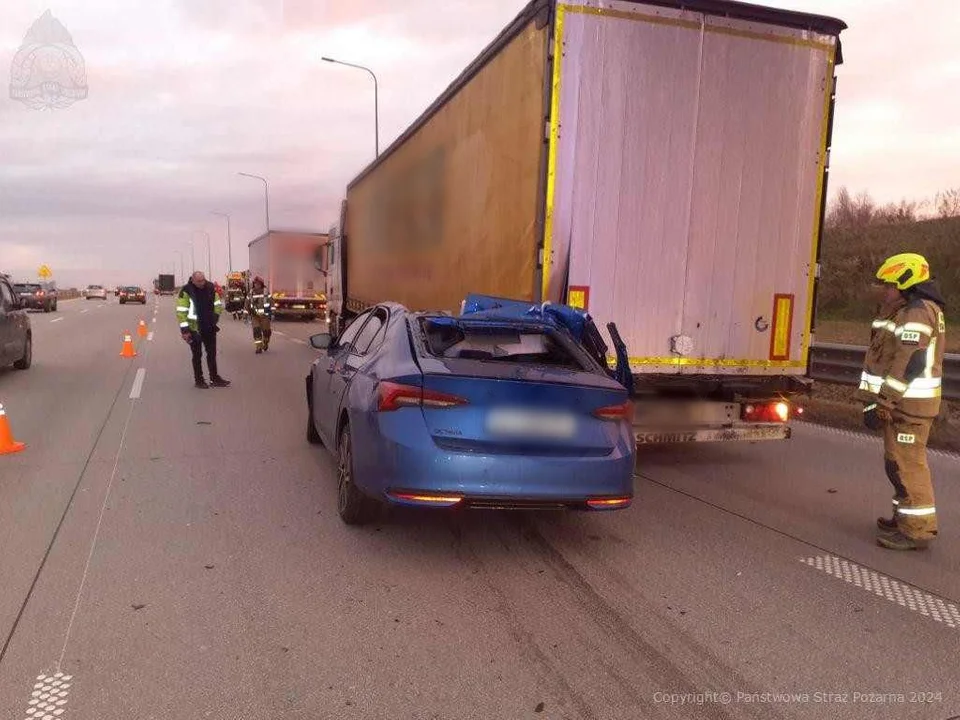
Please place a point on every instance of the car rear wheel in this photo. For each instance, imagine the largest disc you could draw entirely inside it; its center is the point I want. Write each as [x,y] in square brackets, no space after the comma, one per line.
[354,507]
[27,359]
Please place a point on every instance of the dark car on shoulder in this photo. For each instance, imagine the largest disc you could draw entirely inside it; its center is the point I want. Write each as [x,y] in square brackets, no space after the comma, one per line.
[37,296]
[16,336]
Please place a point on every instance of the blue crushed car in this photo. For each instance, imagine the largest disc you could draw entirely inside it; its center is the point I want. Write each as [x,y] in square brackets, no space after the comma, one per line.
[502,406]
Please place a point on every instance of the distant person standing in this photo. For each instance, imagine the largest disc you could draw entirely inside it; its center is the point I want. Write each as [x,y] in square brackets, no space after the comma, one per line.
[901,386]
[261,311]
[198,311]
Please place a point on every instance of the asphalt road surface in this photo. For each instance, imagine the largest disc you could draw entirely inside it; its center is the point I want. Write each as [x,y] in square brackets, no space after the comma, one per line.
[167,552]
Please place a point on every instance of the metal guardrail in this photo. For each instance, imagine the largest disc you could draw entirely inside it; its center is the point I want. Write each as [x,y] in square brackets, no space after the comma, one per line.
[842,364]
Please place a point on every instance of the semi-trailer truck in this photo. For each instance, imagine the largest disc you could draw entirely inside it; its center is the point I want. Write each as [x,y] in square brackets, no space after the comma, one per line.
[660,164]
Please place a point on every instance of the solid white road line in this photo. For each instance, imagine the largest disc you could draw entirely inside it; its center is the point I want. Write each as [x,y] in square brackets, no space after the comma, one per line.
[138,384]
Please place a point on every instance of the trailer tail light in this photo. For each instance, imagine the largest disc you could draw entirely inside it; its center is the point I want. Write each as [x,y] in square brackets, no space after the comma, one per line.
[393,396]
[616,413]
[424,498]
[770,412]
[615,503]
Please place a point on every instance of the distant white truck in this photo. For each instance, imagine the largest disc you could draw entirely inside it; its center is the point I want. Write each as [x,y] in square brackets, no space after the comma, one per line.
[285,259]
[662,164]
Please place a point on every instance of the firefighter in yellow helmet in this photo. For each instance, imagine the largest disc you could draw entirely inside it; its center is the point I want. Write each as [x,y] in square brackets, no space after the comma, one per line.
[901,387]
[260,308]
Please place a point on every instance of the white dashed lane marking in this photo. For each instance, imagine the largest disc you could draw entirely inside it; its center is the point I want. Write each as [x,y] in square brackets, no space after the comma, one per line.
[150,337]
[57,320]
[49,697]
[85,311]
[886,587]
[138,384]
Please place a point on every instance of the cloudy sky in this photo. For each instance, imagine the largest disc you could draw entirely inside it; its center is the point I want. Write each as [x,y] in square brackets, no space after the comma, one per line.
[184,94]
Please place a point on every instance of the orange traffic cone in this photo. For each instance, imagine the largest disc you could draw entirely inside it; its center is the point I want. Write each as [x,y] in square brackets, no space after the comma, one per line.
[7,444]
[128,351]
[142,329]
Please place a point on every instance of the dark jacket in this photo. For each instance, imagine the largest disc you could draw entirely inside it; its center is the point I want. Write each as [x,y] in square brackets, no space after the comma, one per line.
[206,304]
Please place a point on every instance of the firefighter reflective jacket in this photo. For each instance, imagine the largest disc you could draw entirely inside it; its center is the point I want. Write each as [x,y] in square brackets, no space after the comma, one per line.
[259,303]
[193,304]
[903,370]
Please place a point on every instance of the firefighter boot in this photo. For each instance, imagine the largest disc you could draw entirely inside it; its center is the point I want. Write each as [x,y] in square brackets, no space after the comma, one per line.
[899,541]
[257,338]
[266,339]
[888,525]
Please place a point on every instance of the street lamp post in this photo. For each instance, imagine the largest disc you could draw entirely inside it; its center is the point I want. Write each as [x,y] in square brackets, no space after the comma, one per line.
[376,100]
[207,236]
[179,254]
[229,242]
[266,195]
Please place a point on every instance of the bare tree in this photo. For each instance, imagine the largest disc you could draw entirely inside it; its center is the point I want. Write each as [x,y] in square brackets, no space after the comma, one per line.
[903,212]
[947,203]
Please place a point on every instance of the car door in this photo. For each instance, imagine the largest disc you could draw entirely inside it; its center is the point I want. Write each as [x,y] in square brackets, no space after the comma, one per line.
[7,324]
[324,408]
[354,357]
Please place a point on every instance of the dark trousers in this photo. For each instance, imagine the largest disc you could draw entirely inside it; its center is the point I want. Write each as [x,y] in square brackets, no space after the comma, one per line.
[204,340]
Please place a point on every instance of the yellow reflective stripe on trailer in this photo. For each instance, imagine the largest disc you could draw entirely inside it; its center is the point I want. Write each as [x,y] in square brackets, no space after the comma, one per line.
[552,147]
[710,362]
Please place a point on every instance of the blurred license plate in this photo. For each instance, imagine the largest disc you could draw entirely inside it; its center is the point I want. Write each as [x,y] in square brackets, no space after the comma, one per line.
[531,423]
[299,307]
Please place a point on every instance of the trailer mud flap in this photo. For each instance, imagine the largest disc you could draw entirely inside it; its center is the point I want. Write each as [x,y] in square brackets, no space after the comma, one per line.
[741,434]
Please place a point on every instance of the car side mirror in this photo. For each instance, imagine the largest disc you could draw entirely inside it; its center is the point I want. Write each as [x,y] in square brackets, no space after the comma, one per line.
[322,341]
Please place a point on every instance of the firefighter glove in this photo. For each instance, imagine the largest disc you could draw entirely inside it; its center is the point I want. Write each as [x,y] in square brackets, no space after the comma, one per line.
[874,416]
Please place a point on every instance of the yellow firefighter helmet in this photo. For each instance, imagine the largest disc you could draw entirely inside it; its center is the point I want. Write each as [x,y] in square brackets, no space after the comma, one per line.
[904,270]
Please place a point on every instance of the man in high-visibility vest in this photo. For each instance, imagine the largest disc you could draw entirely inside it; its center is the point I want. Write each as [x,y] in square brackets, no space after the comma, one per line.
[260,308]
[901,386]
[198,312]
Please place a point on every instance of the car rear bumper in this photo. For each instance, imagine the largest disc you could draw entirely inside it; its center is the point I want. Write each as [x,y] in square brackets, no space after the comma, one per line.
[404,458]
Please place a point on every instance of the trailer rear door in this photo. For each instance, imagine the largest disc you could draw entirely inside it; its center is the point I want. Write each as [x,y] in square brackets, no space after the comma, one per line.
[686,170]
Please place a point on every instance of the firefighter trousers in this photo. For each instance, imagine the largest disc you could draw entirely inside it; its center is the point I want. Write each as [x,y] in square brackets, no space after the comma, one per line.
[905,458]
[261,331]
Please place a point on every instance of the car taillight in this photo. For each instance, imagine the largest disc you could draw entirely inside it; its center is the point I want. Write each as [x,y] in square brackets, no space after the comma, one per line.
[424,498]
[623,411]
[393,396]
[608,503]
[39,293]
[778,411]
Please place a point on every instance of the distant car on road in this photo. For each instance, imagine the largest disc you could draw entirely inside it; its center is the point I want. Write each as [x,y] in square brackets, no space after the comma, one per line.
[132,293]
[433,410]
[95,291]
[37,296]
[16,335]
